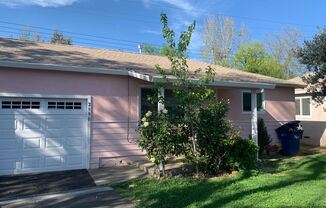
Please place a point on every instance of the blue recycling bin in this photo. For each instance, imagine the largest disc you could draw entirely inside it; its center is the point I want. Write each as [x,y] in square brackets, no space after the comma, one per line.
[290,135]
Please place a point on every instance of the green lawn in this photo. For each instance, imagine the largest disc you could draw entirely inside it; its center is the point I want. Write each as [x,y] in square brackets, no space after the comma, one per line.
[297,182]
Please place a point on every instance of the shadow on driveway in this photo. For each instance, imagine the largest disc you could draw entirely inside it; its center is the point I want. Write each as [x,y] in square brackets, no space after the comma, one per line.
[12,187]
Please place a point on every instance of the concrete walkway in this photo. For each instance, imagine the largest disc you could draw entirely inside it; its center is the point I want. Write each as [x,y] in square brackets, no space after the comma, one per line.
[114,175]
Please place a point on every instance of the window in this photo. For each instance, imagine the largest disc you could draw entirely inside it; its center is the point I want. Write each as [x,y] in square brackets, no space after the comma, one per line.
[64,105]
[146,103]
[172,104]
[151,105]
[302,106]
[246,102]
[6,104]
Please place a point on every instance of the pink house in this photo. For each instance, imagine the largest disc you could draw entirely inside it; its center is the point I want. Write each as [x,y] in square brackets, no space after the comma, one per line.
[70,107]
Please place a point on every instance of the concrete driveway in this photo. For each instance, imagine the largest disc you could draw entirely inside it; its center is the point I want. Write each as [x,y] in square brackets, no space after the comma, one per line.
[75,188]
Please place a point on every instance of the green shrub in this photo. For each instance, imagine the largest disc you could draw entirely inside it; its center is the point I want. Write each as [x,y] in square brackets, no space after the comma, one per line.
[263,137]
[159,137]
[213,129]
[220,147]
[242,153]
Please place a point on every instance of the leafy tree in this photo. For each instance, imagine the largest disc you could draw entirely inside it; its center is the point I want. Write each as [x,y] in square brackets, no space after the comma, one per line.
[201,131]
[27,34]
[58,38]
[150,49]
[253,57]
[164,51]
[282,47]
[221,39]
[313,56]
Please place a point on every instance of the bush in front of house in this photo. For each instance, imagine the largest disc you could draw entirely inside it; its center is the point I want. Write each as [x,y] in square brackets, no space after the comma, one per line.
[242,153]
[220,147]
[263,137]
[201,132]
[159,137]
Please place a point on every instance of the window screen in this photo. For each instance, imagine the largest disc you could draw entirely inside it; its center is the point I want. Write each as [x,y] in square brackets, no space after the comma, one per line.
[246,102]
[305,102]
[297,107]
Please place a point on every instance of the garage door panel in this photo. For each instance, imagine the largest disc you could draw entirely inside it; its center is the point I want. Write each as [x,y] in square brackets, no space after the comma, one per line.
[32,143]
[53,142]
[75,123]
[54,123]
[43,139]
[75,160]
[31,162]
[75,133]
[54,161]
[31,124]
[74,141]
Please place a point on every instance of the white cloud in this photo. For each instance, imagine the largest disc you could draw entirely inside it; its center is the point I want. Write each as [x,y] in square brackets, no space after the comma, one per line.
[153,32]
[41,3]
[181,4]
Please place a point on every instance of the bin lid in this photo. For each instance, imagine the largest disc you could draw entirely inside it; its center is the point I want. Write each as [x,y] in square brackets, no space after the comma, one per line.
[288,125]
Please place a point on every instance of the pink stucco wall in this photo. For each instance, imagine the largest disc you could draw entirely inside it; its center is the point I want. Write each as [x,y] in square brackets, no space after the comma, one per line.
[112,139]
[110,142]
[279,108]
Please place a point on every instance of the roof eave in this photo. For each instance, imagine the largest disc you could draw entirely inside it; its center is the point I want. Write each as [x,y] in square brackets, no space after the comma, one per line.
[148,78]
[221,83]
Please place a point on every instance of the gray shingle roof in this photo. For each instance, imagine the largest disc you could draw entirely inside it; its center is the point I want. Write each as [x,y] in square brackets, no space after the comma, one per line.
[12,50]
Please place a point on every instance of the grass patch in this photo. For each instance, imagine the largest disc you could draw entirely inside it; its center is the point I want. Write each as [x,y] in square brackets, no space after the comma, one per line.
[296,182]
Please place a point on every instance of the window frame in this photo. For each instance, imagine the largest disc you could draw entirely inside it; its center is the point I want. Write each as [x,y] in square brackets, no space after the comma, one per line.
[140,99]
[300,98]
[263,102]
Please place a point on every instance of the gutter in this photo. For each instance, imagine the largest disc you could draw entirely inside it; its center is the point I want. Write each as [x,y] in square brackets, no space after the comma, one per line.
[131,73]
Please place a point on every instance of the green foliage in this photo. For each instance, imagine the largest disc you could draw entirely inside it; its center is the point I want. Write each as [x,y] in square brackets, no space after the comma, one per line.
[150,49]
[253,57]
[313,56]
[203,133]
[159,137]
[213,135]
[58,38]
[263,137]
[242,153]
[164,51]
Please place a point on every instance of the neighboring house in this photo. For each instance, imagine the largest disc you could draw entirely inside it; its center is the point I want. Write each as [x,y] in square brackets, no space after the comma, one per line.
[311,115]
[70,107]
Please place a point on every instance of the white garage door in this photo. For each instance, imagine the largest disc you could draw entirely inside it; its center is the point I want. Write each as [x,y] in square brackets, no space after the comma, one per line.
[38,135]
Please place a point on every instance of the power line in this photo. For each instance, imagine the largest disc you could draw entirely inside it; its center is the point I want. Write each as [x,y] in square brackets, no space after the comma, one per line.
[229,15]
[73,37]
[148,18]
[68,32]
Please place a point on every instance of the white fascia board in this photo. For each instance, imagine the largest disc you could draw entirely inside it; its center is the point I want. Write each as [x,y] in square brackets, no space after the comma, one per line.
[140,76]
[225,83]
